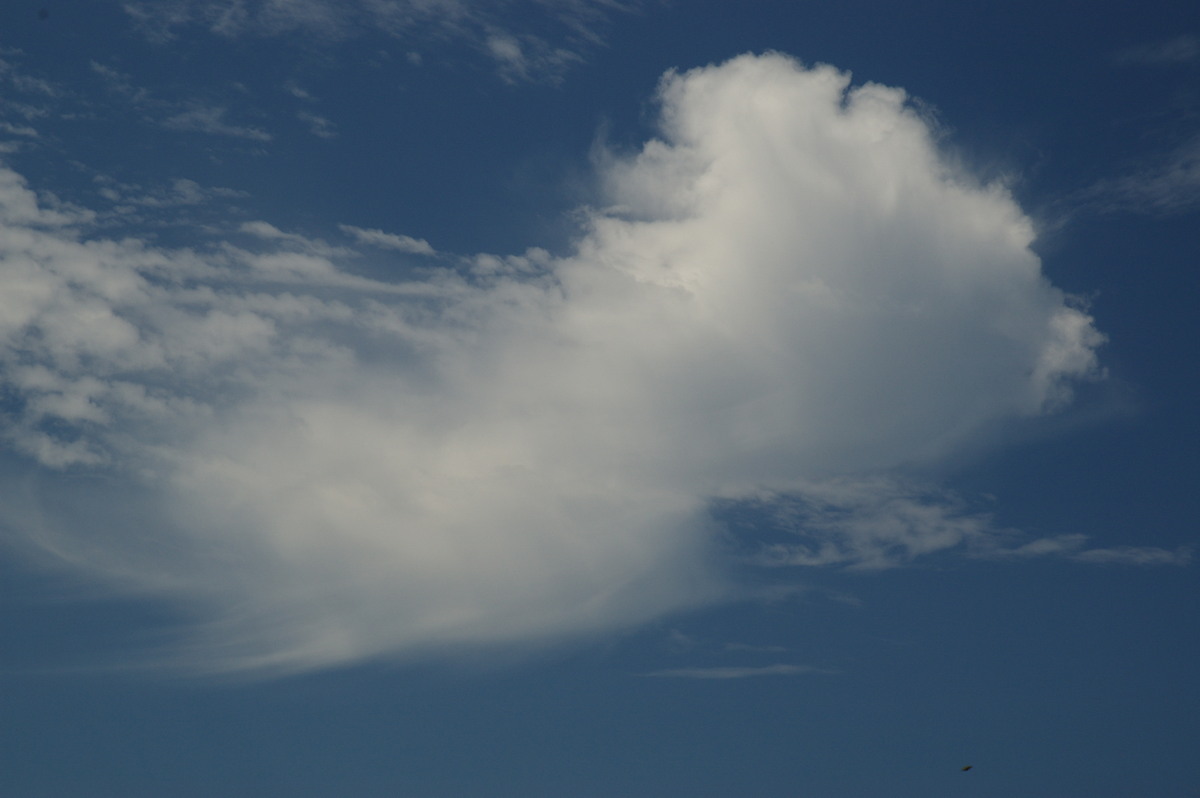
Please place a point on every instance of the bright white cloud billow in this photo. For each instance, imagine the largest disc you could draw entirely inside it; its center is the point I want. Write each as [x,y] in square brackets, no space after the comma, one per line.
[791,295]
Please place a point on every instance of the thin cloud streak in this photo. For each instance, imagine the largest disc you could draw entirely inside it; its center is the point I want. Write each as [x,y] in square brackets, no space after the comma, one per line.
[211,119]
[1167,185]
[1073,547]
[378,238]
[191,115]
[735,672]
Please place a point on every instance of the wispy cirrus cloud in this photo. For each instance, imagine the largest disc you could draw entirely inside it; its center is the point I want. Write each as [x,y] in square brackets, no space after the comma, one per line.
[526,39]
[21,81]
[1074,547]
[121,84]
[884,522]
[1171,52]
[318,125]
[24,98]
[1163,181]
[180,202]
[790,298]
[179,192]
[735,672]
[378,238]
[1135,555]
[198,116]
[212,119]
[865,524]
[18,130]
[1166,184]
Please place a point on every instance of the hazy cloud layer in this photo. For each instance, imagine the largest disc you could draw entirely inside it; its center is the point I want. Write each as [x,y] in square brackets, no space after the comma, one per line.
[790,296]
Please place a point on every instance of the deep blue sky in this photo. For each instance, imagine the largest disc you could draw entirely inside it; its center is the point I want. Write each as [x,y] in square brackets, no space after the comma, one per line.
[766,612]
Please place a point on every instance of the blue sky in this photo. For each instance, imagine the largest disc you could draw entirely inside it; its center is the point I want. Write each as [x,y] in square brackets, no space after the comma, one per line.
[595,398]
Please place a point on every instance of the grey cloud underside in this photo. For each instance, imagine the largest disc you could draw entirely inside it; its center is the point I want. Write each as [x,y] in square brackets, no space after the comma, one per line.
[791,295]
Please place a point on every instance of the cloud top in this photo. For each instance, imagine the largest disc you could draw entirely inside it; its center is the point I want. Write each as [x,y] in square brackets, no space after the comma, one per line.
[791,293]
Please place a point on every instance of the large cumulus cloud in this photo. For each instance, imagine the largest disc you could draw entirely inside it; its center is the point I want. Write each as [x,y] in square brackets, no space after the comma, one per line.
[791,296]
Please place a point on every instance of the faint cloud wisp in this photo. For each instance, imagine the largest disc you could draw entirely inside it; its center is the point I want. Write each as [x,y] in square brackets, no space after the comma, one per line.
[557,33]
[734,672]
[789,298]
[1179,50]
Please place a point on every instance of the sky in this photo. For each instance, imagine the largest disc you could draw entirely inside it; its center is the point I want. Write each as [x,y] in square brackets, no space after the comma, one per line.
[599,398]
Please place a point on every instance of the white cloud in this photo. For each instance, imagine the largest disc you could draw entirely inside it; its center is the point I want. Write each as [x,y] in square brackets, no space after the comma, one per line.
[507,50]
[195,115]
[865,523]
[319,126]
[20,205]
[299,92]
[791,295]
[378,238]
[528,57]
